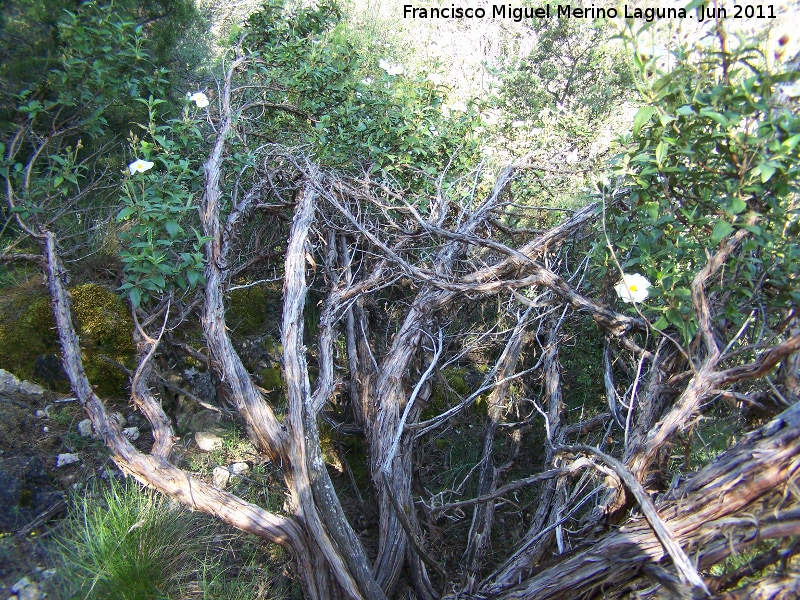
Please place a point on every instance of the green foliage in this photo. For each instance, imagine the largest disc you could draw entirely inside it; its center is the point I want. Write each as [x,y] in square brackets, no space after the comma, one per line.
[32,38]
[712,152]
[67,122]
[157,253]
[130,544]
[572,64]
[357,116]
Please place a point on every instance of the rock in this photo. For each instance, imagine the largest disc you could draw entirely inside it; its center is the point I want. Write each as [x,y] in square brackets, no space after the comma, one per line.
[9,384]
[203,386]
[220,477]
[207,441]
[239,468]
[31,389]
[40,414]
[120,419]
[134,420]
[132,433]
[67,459]
[204,420]
[25,491]
[25,466]
[47,368]
[85,428]
[25,589]
[10,493]
[108,474]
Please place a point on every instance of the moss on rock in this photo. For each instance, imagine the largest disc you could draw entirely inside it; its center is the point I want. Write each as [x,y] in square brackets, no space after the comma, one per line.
[27,332]
[247,312]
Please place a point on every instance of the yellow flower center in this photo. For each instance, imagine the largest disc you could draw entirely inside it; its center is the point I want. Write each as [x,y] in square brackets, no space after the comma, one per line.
[632,288]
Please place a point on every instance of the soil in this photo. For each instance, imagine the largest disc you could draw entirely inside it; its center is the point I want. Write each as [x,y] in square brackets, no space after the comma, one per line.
[34,430]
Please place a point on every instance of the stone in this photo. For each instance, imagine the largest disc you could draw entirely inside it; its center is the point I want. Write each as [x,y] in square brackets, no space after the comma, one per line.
[203,420]
[48,369]
[65,459]
[220,477]
[10,384]
[25,589]
[239,468]
[207,441]
[203,387]
[132,433]
[134,420]
[31,389]
[119,418]
[85,428]
[25,466]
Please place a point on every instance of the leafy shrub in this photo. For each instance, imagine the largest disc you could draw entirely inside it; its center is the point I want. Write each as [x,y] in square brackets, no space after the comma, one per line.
[712,152]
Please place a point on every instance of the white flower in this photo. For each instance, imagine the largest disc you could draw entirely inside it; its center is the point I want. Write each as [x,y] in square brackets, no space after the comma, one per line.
[367,81]
[791,89]
[390,68]
[516,124]
[435,79]
[632,288]
[655,51]
[140,166]
[459,106]
[199,98]
[572,158]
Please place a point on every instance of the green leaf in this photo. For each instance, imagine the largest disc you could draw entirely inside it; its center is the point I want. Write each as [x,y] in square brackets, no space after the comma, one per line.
[172,227]
[792,141]
[661,324]
[722,229]
[766,170]
[135,296]
[674,316]
[193,277]
[661,151]
[643,115]
[735,206]
[125,213]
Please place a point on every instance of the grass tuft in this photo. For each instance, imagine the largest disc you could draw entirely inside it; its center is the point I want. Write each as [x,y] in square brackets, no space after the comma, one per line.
[127,543]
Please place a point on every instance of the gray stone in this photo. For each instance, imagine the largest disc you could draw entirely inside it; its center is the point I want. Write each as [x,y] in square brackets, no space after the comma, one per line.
[204,420]
[85,428]
[239,468]
[25,589]
[63,460]
[10,384]
[31,389]
[220,477]
[132,433]
[203,387]
[119,418]
[207,441]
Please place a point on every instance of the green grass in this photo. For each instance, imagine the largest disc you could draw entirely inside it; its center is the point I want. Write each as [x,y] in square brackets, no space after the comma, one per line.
[127,543]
